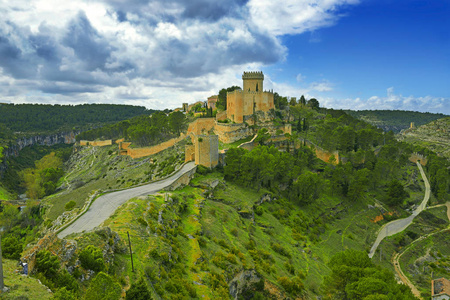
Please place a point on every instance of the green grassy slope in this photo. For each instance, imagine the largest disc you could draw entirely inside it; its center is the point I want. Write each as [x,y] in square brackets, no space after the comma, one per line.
[200,237]
[434,136]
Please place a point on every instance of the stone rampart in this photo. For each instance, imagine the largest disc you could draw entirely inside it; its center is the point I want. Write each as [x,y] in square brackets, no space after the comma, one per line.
[189,153]
[417,157]
[323,154]
[96,143]
[201,126]
[147,151]
[221,116]
[206,150]
[229,133]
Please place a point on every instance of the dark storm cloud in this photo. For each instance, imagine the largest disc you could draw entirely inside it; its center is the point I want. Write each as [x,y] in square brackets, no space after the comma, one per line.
[89,46]
[12,59]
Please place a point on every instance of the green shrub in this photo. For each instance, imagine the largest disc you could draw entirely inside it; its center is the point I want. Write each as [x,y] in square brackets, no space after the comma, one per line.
[11,247]
[142,221]
[70,205]
[103,287]
[138,291]
[91,258]
[63,294]
[259,210]
[47,264]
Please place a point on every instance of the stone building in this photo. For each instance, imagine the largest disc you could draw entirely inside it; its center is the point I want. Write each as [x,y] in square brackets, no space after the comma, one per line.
[212,102]
[252,98]
[440,289]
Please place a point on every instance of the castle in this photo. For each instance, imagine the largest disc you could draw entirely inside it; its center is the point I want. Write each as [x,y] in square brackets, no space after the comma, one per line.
[242,104]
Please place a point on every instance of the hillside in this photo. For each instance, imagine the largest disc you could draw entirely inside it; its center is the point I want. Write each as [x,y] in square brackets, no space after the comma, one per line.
[395,120]
[434,136]
[269,223]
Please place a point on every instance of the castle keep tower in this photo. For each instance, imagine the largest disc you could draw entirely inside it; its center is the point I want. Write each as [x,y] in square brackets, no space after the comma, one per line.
[253,81]
[244,103]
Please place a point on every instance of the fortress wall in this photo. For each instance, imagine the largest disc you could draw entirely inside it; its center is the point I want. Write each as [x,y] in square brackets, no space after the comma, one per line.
[235,105]
[207,150]
[229,133]
[142,152]
[124,145]
[96,143]
[323,154]
[189,153]
[222,116]
[200,125]
[416,157]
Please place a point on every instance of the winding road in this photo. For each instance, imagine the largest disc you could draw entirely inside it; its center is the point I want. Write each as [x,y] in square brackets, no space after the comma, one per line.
[104,206]
[397,226]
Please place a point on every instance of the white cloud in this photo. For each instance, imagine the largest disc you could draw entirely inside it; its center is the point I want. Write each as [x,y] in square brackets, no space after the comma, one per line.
[293,16]
[323,86]
[300,77]
[391,101]
[162,52]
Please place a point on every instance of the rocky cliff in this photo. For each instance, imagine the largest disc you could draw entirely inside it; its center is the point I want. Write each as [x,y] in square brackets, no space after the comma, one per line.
[43,140]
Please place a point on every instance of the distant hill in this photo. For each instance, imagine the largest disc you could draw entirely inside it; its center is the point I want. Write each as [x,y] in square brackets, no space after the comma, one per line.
[46,118]
[395,120]
[434,136]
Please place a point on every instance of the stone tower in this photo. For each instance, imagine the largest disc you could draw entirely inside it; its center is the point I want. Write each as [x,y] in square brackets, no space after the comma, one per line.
[242,104]
[253,81]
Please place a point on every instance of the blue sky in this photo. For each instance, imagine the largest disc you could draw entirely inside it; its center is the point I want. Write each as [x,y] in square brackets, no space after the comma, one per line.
[373,54]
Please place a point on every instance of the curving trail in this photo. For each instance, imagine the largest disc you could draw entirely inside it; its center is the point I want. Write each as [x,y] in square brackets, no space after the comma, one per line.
[104,206]
[397,226]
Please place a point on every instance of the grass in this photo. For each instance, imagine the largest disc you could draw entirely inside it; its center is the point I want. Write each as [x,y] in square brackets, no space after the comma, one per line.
[101,169]
[21,285]
[4,194]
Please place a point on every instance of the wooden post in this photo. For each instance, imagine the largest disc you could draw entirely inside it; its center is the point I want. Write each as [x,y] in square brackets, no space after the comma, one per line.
[131,252]
[1,268]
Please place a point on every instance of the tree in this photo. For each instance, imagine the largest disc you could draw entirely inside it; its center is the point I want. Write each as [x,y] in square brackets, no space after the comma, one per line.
[302,100]
[47,264]
[263,136]
[1,154]
[176,121]
[313,103]
[91,258]
[396,193]
[138,291]
[11,247]
[103,287]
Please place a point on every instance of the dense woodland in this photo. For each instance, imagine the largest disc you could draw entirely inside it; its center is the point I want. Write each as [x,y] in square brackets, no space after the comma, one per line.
[45,118]
[143,130]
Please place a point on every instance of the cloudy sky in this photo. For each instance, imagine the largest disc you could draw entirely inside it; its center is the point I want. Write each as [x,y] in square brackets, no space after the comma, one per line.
[358,54]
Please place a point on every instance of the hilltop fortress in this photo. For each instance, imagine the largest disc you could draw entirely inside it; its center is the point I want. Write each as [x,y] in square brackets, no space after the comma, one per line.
[242,104]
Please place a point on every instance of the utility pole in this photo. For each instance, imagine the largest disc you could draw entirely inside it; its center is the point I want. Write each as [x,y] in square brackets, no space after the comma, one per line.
[131,252]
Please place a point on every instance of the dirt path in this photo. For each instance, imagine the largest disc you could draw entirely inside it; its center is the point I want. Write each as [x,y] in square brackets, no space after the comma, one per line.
[395,262]
[397,226]
[396,257]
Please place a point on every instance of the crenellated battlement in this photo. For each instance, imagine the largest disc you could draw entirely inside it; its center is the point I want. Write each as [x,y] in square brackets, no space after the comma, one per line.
[253,75]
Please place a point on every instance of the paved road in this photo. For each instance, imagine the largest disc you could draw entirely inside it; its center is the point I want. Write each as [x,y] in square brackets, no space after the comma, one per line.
[397,226]
[104,206]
